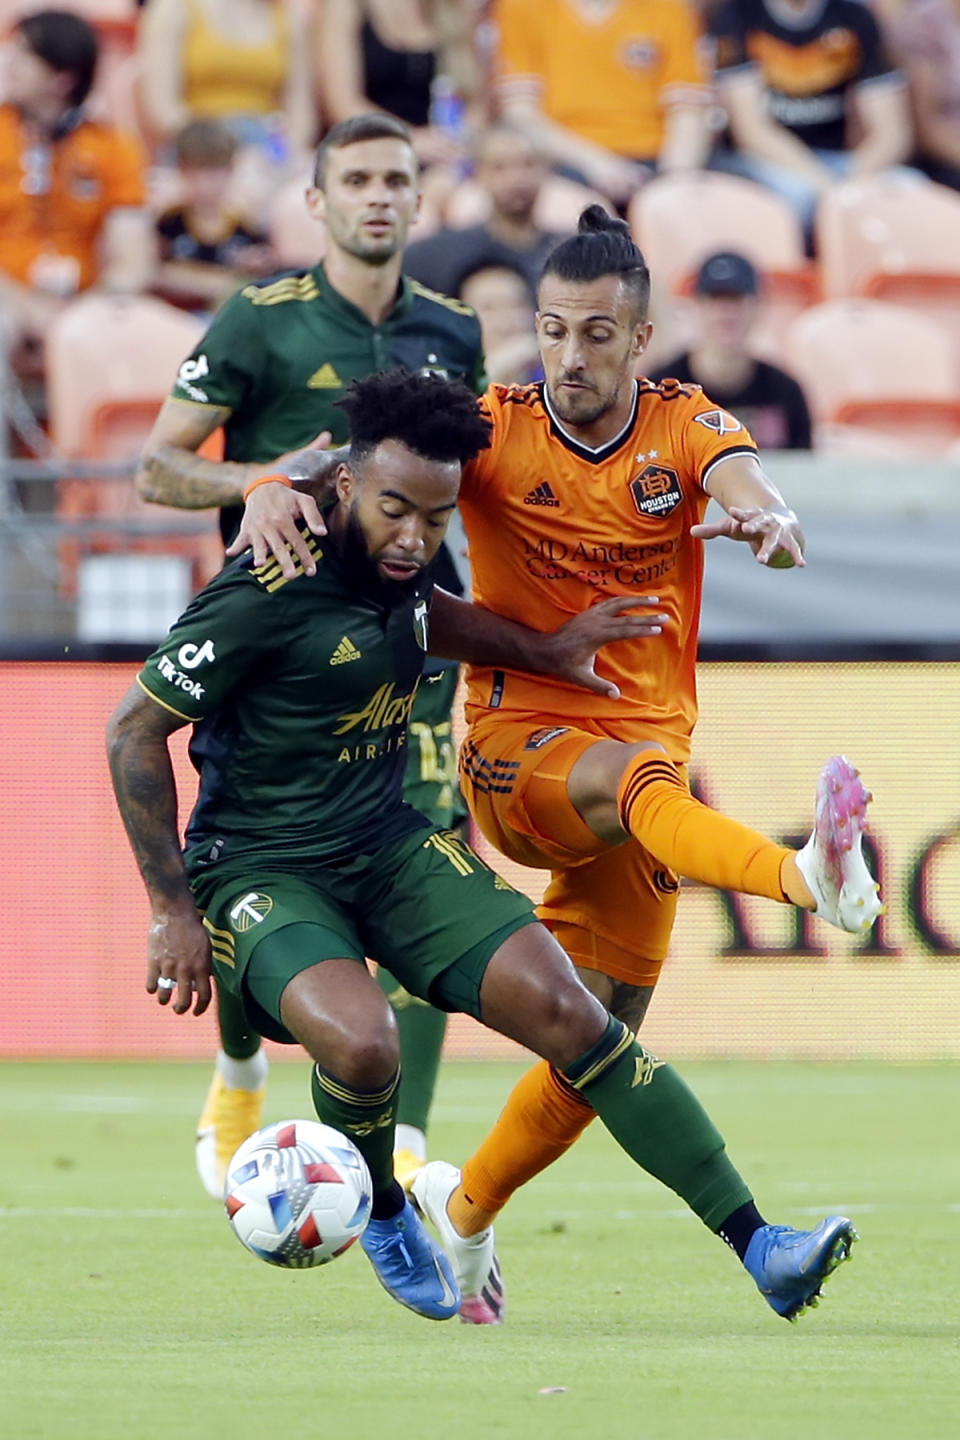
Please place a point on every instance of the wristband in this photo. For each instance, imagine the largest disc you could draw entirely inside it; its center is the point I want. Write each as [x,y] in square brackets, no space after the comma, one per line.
[266,480]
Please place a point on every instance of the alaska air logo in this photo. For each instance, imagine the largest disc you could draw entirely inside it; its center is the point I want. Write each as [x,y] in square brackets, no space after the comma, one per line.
[326,378]
[720,421]
[190,656]
[656,490]
[250,910]
[382,709]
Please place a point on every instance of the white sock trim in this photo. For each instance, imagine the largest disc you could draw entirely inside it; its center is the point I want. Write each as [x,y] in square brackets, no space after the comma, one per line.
[408,1137]
[248,1074]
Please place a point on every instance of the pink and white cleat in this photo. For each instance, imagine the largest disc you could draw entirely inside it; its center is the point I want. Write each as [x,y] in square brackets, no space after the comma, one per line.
[473,1257]
[832,860]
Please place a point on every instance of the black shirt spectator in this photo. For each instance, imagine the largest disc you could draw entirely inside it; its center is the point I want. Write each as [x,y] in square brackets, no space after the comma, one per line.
[768,401]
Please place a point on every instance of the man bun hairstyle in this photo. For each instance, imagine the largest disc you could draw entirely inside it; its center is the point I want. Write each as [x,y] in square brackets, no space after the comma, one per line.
[603,245]
[437,418]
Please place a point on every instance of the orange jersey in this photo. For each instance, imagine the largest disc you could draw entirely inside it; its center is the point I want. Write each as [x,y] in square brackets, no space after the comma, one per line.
[54,199]
[608,80]
[553,527]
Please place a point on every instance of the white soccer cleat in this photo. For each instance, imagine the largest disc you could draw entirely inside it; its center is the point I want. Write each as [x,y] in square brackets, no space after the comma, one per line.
[474,1260]
[832,860]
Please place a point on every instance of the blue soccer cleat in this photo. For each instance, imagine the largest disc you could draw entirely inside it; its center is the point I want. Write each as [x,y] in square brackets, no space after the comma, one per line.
[410,1266]
[789,1265]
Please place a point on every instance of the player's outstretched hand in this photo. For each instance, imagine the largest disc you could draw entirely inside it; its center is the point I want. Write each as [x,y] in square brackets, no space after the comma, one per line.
[273,512]
[774,535]
[178,961]
[571,651]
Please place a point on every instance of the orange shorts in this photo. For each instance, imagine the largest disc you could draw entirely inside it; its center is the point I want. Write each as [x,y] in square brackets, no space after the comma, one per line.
[610,907]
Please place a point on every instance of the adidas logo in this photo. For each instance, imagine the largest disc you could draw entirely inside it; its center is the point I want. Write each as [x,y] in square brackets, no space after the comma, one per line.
[541,495]
[345,652]
[326,378]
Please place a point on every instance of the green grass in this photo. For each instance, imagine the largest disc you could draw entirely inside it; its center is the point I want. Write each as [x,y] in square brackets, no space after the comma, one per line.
[129,1310]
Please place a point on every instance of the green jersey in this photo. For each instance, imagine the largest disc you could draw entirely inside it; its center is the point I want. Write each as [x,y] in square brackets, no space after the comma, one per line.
[280,353]
[300,691]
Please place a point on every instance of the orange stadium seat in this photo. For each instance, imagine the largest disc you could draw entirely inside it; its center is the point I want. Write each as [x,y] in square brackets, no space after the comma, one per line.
[678,220]
[893,238]
[110,363]
[877,374]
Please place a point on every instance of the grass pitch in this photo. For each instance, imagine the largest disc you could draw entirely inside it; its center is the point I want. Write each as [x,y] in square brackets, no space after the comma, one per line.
[129,1310]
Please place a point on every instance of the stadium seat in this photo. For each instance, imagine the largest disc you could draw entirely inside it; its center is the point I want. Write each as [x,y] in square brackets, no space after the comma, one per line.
[678,220]
[881,369]
[895,238]
[298,239]
[111,361]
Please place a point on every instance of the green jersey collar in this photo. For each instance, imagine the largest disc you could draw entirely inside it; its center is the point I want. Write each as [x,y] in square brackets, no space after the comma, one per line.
[339,303]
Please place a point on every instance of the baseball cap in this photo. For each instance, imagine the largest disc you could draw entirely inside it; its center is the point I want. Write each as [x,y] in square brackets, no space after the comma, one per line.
[726,274]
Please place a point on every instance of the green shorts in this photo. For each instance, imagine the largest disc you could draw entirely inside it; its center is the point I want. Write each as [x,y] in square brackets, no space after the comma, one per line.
[430,781]
[426,907]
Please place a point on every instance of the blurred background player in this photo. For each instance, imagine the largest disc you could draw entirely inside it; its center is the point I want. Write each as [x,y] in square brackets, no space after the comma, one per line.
[269,371]
[71,189]
[609,90]
[206,249]
[767,400]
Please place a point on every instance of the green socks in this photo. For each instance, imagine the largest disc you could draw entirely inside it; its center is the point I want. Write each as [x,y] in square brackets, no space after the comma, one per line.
[660,1123]
[422,1029]
[367,1116]
[236,1037]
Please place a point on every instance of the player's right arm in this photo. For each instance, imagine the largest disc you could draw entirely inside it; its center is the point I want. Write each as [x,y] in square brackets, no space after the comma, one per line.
[146,792]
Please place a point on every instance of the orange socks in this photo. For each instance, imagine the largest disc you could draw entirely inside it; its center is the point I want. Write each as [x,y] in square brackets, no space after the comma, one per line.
[690,838]
[542,1118]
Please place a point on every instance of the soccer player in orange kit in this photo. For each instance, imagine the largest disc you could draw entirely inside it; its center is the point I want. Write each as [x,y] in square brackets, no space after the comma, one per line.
[596,485]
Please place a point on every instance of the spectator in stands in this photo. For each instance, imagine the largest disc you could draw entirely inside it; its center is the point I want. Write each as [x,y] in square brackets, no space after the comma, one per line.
[206,249]
[410,58]
[810,93]
[500,294]
[243,62]
[924,36]
[610,90]
[510,171]
[71,190]
[768,401]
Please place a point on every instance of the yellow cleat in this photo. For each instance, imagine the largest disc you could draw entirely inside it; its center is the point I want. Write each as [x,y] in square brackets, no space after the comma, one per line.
[229,1116]
[406,1167]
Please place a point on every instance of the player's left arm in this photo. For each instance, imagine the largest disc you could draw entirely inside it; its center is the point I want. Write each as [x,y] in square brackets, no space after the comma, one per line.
[146,792]
[462,630]
[756,512]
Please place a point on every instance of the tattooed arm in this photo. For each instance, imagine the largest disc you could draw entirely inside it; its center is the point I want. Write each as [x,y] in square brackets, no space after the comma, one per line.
[171,472]
[146,792]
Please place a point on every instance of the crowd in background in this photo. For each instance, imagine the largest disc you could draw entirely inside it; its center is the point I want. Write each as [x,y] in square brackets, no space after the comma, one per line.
[152,148]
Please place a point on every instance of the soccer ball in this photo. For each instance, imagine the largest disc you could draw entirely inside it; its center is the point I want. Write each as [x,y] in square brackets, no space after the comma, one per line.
[298,1194]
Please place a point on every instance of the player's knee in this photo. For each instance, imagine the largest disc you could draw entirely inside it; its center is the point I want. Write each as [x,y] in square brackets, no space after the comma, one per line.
[371,1059]
[572,1021]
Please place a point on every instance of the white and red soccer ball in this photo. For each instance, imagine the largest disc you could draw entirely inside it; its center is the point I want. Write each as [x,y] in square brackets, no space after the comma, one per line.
[298,1194]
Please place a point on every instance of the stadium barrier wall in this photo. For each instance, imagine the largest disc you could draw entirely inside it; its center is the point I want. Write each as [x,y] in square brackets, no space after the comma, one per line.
[745,978]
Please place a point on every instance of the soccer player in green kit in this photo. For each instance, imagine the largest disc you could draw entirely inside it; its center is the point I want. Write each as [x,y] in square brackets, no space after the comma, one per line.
[269,370]
[302,856]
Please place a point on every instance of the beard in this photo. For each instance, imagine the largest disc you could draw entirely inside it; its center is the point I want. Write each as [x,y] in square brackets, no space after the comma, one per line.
[583,409]
[363,569]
